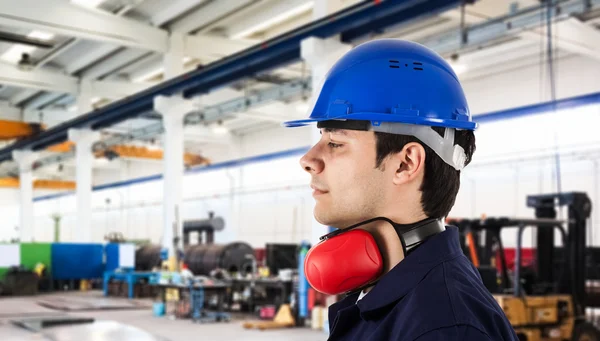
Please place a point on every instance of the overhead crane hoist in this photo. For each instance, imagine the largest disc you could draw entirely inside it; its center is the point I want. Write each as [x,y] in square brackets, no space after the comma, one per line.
[11,130]
[10,182]
[132,152]
[14,130]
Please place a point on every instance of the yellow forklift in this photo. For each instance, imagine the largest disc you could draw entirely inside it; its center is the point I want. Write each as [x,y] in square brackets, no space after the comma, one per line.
[548,301]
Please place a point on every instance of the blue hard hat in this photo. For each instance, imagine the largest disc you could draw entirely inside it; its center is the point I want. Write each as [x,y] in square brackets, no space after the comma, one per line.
[391,80]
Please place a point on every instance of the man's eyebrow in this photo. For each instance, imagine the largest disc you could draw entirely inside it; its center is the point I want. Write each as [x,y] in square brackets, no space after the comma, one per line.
[336,131]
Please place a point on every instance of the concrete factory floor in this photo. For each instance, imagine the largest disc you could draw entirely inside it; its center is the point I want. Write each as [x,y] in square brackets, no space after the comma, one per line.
[136,324]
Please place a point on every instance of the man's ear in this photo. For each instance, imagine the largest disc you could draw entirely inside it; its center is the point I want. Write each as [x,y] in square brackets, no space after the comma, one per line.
[409,163]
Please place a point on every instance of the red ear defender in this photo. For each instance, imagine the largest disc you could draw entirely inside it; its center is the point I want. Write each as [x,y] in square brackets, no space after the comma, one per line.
[343,263]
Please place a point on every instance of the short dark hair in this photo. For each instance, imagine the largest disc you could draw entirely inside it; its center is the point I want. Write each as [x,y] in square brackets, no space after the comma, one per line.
[441,181]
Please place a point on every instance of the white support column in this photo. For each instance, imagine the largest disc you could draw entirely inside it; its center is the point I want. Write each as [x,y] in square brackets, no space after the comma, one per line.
[173,109]
[173,60]
[84,97]
[84,159]
[321,54]
[236,181]
[25,159]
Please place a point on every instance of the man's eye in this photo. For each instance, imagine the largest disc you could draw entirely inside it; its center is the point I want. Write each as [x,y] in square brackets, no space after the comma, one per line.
[334,145]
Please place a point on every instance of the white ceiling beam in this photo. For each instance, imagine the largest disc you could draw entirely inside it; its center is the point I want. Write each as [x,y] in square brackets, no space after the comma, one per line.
[37,79]
[90,56]
[174,9]
[211,48]
[571,35]
[63,18]
[58,82]
[113,63]
[267,15]
[203,47]
[207,15]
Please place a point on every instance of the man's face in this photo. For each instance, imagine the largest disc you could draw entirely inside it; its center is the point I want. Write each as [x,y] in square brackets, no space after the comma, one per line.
[347,186]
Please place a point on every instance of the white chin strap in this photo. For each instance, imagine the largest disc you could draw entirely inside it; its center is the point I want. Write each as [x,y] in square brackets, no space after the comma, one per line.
[444,147]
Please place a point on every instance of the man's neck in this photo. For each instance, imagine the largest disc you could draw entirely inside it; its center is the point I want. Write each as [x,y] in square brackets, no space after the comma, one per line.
[389,242]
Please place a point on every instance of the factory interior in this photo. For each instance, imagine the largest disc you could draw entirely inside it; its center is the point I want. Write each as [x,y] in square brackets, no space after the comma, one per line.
[149,189]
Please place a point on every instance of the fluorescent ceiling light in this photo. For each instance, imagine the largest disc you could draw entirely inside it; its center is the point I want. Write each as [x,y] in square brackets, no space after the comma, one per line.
[274,20]
[41,35]
[87,3]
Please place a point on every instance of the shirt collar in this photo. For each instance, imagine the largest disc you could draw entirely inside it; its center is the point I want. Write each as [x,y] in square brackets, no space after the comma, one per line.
[409,272]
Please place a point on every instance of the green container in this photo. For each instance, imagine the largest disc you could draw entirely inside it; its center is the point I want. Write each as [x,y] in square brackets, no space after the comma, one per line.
[3,272]
[33,253]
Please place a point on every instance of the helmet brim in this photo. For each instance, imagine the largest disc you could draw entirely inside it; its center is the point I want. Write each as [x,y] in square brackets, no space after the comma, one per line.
[378,117]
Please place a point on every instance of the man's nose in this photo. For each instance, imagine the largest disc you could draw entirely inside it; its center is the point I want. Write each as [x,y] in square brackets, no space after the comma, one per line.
[311,162]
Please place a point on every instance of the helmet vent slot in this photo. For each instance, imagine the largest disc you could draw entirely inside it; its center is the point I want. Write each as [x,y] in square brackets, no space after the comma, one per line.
[418,68]
[417,63]
[394,62]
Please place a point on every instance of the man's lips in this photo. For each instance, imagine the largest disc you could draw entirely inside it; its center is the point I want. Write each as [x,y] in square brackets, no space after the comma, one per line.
[317,190]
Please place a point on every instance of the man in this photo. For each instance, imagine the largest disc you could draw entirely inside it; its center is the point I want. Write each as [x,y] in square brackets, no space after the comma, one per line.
[395,133]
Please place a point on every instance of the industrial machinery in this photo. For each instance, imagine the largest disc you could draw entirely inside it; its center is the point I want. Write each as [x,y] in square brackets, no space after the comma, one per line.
[281,256]
[202,259]
[234,264]
[205,228]
[549,300]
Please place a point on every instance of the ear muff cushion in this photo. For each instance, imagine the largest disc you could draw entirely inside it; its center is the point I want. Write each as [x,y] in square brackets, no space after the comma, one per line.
[343,263]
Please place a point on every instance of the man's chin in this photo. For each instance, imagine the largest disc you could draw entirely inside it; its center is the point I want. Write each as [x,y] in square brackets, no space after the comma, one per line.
[328,220]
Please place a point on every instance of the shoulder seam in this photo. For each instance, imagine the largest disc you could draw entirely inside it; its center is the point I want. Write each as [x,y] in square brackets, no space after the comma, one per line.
[448,292]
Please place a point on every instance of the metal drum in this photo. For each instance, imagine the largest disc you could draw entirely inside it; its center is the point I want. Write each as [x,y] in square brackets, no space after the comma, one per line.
[147,257]
[233,257]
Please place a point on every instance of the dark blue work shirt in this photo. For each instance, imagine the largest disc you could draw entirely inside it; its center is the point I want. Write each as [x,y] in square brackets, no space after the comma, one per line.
[435,293]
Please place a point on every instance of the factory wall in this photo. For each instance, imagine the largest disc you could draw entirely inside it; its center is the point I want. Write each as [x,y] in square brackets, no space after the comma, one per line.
[260,202]
[270,201]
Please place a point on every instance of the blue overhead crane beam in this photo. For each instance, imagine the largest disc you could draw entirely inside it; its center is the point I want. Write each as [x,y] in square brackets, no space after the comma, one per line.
[352,23]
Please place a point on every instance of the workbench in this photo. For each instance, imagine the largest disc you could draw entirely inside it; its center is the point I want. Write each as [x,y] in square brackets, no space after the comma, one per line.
[130,277]
[219,288]
[281,289]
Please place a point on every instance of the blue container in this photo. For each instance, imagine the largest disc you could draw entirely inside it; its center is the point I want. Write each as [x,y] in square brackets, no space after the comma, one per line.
[120,256]
[158,308]
[112,256]
[73,261]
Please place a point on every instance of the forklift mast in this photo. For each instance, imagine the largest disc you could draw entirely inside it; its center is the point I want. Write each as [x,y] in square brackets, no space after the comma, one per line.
[579,209]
